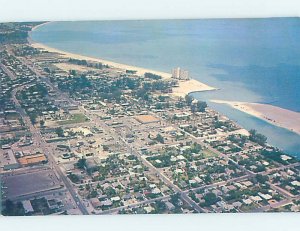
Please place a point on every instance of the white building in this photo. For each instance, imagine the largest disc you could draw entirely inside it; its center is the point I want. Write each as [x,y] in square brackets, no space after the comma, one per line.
[27,206]
[178,73]
[8,160]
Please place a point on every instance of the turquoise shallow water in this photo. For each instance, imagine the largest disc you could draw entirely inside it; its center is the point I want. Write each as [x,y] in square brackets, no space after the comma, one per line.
[253,60]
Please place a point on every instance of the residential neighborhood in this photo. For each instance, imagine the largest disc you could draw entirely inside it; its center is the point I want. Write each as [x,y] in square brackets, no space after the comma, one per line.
[83,137]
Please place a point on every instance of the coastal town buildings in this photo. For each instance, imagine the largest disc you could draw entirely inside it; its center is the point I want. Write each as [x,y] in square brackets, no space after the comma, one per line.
[84,137]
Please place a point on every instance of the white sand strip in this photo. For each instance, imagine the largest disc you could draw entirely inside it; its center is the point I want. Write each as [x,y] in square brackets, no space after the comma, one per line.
[275,115]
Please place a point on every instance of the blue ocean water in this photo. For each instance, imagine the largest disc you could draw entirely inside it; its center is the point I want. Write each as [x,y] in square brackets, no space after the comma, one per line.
[252,60]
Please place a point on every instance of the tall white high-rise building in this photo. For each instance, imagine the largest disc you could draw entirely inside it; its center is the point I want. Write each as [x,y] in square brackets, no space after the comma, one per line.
[178,73]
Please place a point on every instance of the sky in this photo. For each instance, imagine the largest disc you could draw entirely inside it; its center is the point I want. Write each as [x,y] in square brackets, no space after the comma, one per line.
[35,10]
[55,10]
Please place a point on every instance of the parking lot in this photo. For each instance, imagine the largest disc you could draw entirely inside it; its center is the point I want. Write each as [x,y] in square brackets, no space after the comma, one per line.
[20,184]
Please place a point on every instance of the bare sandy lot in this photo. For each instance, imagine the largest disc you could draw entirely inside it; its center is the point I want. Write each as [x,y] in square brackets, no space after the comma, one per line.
[67,67]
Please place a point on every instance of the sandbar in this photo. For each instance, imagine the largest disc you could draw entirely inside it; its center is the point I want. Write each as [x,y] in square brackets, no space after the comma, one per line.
[272,114]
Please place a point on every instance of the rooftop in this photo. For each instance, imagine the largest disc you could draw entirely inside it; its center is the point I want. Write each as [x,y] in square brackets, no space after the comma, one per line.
[33,159]
[145,119]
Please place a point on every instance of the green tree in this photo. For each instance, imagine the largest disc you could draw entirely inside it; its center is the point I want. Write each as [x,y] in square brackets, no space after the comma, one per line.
[74,178]
[189,99]
[196,148]
[13,209]
[257,138]
[175,198]
[59,131]
[152,76]
[201,105]
[73,72]
[81,163]
[261,178]
[42,123]
[198,107]
[159,138]
[210,199]
[160,207]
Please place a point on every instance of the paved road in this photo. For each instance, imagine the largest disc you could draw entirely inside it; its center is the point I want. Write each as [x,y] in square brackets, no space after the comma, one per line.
[7,71]
[281,190]
[199,141]
[114,210]
[221,183]
[165,179]
[280,168]
[276,205]
[39,140]
[152,169]
[37,194]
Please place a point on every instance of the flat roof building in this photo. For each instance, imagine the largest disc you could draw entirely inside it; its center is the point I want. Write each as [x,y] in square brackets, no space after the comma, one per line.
[27,206]
[146,119]
[8,160]
[33,159]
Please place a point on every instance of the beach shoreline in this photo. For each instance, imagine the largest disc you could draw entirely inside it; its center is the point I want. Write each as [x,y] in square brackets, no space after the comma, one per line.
[42,24]
[277,116]
[274,115]
[191,86]
[184,87]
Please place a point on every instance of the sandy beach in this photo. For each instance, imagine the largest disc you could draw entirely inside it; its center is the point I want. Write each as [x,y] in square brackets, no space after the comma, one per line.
[275,115]
[272,114]
[64,54]
[189,86]
[184,88]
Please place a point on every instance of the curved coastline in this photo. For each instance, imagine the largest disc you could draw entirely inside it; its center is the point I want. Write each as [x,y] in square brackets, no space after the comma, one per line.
[184,88]
[78,56]
[42,24]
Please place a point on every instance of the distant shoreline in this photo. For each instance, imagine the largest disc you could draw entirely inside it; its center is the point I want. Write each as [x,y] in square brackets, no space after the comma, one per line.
[184,88]
[37,26]
[266,112]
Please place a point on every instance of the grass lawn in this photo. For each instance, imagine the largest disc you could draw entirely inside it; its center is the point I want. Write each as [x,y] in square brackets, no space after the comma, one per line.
[41,206]
[76,118]
[248,208]
[207,153]
[14,116]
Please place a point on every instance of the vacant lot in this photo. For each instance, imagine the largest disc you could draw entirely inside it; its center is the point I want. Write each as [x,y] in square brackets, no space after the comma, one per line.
[29,183]
[207,153]
[76,118]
